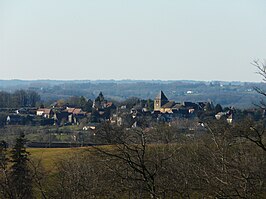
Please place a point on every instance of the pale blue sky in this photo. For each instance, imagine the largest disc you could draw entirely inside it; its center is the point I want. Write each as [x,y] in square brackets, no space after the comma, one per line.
[137,39]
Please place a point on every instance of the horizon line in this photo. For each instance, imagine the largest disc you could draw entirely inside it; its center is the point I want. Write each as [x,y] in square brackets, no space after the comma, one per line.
[139,80]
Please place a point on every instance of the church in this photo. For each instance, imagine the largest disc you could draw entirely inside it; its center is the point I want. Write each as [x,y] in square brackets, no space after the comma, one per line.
[162,104]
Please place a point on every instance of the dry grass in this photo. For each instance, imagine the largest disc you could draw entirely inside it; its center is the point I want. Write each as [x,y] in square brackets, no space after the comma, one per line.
[50,156]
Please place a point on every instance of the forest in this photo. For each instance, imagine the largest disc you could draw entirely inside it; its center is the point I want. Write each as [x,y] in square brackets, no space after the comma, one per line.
[19,98]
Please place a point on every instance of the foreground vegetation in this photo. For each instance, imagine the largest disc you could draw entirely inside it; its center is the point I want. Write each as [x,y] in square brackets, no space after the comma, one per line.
[227,161]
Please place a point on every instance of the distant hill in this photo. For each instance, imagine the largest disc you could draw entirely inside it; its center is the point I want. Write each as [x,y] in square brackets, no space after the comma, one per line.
[237,94]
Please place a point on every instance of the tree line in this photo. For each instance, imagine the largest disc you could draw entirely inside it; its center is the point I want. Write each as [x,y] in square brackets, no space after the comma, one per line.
[20,98]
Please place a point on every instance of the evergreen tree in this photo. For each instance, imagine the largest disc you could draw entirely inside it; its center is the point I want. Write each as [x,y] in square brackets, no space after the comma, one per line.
[100,97]
[88,106]
[209,107]
[20,174]
[218,108]
[99,101]
[6,192]
[82,102]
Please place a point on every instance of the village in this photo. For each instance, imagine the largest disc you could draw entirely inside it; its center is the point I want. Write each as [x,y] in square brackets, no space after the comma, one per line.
[129,116]
[77,122]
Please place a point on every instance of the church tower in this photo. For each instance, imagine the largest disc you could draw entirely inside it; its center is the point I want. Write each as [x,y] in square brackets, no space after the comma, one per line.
[159,101]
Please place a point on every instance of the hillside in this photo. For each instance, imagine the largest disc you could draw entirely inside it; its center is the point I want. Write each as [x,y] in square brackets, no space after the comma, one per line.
[237,94]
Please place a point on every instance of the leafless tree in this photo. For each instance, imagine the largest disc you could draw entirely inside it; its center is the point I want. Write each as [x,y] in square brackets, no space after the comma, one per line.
[138,163]
[74,179]
[261,70]
[256,133]
[252,131]
[261,66]
[39,177]
[230,166]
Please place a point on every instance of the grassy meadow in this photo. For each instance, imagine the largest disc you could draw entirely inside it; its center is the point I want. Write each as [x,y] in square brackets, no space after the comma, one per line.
[50,156]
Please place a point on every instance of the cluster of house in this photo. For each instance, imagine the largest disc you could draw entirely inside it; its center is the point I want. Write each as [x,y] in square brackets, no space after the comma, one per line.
[101,111]
[68,115]
[164,111]
[45,116]
[227,115]
[185,109]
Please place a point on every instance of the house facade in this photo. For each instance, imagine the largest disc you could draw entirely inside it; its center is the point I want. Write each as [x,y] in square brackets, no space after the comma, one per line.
[44,112]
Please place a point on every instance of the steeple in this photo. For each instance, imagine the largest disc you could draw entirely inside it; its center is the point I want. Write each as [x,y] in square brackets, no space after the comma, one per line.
[161,96]
[160,100]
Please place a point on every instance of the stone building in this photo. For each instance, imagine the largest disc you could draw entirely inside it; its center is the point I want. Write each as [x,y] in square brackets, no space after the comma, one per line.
[159,101]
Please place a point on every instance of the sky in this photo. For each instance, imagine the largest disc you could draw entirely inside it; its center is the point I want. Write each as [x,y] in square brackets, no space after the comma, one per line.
[137,39]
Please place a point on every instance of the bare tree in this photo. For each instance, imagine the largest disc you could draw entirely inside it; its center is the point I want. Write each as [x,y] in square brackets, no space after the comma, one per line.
[230,166]
[261,70]
[256,132]
[39,177]
[82,175]
[136,163]
[261,66]
[252,131]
